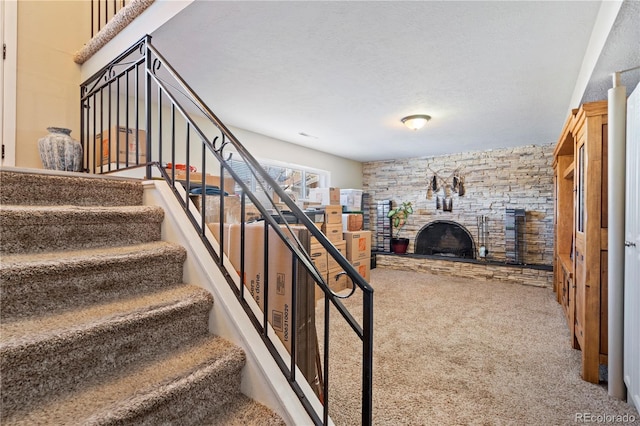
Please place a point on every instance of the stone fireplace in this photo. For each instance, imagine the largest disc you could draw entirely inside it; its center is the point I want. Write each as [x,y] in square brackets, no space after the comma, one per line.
[445,238]
[494,181]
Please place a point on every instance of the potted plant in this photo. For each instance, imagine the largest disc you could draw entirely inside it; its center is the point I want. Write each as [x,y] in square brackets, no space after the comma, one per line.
[399,216]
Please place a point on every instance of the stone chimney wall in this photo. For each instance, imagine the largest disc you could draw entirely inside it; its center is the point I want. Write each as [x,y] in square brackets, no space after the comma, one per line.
[494,180]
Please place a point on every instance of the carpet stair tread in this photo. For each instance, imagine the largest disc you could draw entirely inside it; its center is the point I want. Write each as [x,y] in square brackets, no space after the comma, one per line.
[34,330]
[52,282]
[51,187]
[97,326]
[242,411]
[132,392]
[79,347]
[91,258]
[46,228]
[46,214]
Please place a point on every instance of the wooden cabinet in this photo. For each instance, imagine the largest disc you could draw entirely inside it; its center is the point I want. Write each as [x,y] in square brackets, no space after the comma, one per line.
[580,258]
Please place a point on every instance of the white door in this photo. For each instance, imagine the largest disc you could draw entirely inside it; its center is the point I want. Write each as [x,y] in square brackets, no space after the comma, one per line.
[632,253]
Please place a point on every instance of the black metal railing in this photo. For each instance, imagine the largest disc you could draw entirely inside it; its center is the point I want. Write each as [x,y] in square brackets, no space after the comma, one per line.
[138,112]
[102,11]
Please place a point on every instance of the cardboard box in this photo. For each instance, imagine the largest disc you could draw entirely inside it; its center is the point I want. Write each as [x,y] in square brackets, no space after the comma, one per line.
[351,200]
[280,284]
[212,208]
[363,267]
[325,196]
[254,256]
[333,214]
[358,245]
[280,281]
[352,222]
[123,146]
[331,262]
[333,232]
[232,209]
[319,257]
[336,282]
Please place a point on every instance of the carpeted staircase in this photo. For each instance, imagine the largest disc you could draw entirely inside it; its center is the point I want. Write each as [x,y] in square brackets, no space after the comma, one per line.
[96,324]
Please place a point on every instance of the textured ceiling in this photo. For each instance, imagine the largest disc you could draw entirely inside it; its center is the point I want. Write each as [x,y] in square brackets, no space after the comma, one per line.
[491,74]
[621,52]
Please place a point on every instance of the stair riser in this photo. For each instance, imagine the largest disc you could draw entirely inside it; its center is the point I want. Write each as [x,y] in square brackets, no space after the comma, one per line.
[47,289]
[76,236]
[78,189]
[68,362]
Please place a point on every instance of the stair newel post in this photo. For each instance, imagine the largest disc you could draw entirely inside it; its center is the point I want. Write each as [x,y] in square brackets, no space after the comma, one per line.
[147,107]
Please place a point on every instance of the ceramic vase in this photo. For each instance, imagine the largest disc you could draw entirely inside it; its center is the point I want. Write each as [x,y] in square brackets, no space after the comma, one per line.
[59,151]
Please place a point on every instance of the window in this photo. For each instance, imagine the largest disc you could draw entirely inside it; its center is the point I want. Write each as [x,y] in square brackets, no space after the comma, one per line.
[295,180]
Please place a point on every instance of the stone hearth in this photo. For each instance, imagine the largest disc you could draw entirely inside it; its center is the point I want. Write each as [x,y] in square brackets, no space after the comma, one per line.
[534,275]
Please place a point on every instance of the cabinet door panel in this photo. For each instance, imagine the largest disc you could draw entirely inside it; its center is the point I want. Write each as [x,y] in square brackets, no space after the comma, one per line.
[580,297]
[604,302]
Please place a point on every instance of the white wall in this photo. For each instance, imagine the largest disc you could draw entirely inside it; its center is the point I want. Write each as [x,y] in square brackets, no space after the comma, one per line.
[344,173]
[48,91]
[48,81]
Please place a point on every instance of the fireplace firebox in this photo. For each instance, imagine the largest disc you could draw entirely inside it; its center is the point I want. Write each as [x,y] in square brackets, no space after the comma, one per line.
[445,238]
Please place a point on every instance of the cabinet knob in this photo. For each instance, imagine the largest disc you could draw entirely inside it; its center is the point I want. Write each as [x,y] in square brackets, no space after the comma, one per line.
[629,244]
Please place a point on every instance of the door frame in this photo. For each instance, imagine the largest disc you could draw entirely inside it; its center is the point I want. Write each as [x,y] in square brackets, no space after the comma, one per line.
[632,253]
[8,79]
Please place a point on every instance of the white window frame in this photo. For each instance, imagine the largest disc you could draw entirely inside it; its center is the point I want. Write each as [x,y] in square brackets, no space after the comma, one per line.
[324,175]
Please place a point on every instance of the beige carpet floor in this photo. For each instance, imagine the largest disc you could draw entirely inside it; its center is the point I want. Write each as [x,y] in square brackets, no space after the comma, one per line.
[451,351]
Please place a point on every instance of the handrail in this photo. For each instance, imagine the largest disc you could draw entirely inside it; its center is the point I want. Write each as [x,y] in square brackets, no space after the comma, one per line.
[132,89]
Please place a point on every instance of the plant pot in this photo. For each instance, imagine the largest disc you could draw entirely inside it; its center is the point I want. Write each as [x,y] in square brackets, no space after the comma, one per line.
[399,245]
[59,151]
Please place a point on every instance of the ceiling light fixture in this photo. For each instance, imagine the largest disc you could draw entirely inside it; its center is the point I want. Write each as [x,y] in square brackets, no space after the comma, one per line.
[415,122]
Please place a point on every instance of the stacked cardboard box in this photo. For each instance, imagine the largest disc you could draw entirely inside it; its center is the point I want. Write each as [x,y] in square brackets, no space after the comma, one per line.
[332,226]
[280,280]
[319,258]
[358,247]
[333,264]
[121,144]
[352,222]
[351,200]
[325,196]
